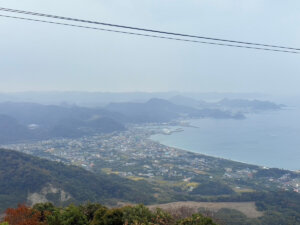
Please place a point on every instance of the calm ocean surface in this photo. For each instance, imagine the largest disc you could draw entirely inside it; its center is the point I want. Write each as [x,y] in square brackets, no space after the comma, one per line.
[269,139]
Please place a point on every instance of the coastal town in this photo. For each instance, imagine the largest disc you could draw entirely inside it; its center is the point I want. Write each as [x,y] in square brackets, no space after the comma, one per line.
[134,155]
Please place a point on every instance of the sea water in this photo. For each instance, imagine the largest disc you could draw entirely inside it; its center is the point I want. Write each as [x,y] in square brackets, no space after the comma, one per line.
[270,139]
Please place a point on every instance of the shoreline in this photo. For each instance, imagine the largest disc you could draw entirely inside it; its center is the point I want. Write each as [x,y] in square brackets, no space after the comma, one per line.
[134,155]
[213,156]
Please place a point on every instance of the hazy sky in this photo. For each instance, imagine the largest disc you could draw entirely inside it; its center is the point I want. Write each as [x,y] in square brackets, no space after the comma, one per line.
[36,56]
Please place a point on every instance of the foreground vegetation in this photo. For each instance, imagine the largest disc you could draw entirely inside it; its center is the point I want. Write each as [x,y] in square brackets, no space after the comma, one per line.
[22,175]
[96,214]
[277,208]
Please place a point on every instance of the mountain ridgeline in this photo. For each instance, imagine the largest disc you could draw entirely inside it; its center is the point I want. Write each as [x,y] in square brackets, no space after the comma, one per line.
[31,121]
[28,179]
[159,110]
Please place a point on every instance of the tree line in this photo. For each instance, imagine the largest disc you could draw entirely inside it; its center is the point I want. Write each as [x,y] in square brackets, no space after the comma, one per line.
[97,214]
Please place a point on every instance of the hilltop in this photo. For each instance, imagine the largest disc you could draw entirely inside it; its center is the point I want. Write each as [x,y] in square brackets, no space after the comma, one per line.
[28,179]
[25,121]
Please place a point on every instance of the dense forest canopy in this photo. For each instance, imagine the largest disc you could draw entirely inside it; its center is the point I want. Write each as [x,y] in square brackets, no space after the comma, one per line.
[21,174]
[96,214]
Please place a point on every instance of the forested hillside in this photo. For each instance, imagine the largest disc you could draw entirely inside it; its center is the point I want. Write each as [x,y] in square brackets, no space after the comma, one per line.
[29,121]
[21,122]
[27,179]
[24,178]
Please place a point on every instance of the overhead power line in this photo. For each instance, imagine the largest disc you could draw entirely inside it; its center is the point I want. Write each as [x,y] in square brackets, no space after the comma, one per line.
[149,35]
[217,41]
[143,29]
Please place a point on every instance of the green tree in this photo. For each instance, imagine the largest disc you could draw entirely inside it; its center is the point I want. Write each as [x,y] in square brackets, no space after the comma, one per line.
[89,209]
[55,218]
[98,216]
[161,217]
[137,214]
[140,214]
[72,215]
[113,217]
[196,219]
[45,210]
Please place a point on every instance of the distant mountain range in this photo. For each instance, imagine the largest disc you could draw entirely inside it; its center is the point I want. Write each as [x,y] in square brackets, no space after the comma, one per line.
[160,110]
[28,179]
[31,121]
[96,99]
[243,105]
[154,110]
[249,105]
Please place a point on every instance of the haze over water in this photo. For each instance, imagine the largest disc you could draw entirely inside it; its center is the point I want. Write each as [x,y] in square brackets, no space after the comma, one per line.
[269,139]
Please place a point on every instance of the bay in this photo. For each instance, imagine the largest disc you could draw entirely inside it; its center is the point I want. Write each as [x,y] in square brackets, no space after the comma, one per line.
[270,139]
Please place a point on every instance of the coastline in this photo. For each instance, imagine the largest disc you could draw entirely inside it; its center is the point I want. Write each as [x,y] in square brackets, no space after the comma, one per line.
[212,156]
[133,155]
[158,137]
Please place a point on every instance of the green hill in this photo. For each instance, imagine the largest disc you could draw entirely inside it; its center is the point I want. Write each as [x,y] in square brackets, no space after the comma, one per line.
[27,179]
